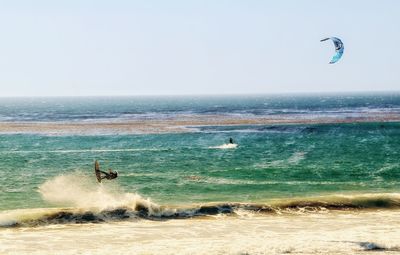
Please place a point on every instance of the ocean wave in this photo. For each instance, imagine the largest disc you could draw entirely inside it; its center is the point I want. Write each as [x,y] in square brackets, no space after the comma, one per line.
[142,209]
[80,199]
[231,181]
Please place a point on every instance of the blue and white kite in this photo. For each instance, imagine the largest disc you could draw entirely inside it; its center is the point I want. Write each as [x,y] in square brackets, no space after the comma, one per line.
[339,48]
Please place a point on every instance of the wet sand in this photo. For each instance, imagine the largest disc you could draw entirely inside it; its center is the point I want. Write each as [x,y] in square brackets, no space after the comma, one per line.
[180,124]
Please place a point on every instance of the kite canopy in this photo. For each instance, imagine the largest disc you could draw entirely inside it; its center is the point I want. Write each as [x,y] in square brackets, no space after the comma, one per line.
[339,48]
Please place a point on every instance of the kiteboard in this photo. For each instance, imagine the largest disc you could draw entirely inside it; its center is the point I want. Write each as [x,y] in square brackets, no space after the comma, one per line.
[97,171]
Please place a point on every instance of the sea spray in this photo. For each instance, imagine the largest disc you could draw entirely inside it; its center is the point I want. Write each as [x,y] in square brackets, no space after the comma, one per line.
[224,146]
[80,191]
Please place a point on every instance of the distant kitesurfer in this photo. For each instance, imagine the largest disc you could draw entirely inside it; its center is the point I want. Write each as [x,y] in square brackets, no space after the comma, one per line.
[109,176]
[231,140]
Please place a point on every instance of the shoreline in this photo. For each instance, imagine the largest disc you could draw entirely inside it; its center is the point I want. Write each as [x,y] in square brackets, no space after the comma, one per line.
[324,233]
[179,124]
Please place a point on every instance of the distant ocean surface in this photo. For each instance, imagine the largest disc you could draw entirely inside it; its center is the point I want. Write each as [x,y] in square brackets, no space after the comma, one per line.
[152,107]
[274,168]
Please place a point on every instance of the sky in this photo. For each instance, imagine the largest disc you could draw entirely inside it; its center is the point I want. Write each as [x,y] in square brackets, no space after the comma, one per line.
[177,47]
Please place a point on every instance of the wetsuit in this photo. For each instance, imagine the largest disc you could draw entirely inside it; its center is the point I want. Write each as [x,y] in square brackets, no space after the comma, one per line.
[109,176]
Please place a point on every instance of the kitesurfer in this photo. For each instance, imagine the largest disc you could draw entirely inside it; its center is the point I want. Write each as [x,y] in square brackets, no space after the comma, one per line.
[230,140]
[110,175]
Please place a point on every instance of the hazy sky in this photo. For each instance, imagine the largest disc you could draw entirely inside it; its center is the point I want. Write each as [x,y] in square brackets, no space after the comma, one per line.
[196,47]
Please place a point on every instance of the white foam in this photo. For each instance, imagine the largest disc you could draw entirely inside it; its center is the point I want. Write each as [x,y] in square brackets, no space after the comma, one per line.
[80,151]
[225,146]
[294,159]
[341,233]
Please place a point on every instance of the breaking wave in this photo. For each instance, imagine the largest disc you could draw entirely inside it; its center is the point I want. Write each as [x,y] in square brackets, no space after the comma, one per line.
[84,201]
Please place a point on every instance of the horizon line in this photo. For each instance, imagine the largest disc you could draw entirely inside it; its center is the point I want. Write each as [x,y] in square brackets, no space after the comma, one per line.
[211,94]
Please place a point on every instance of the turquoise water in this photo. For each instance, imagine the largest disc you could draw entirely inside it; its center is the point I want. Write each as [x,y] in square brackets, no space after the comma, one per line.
[271,162]
[183,174]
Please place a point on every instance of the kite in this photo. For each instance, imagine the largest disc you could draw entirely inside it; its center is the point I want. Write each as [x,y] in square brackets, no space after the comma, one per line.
[339,48]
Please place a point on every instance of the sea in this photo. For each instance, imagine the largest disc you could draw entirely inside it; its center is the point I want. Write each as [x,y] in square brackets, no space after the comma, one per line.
[320,171]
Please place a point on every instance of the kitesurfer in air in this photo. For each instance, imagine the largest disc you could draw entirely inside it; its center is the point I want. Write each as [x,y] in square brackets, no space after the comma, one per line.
[109,176]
